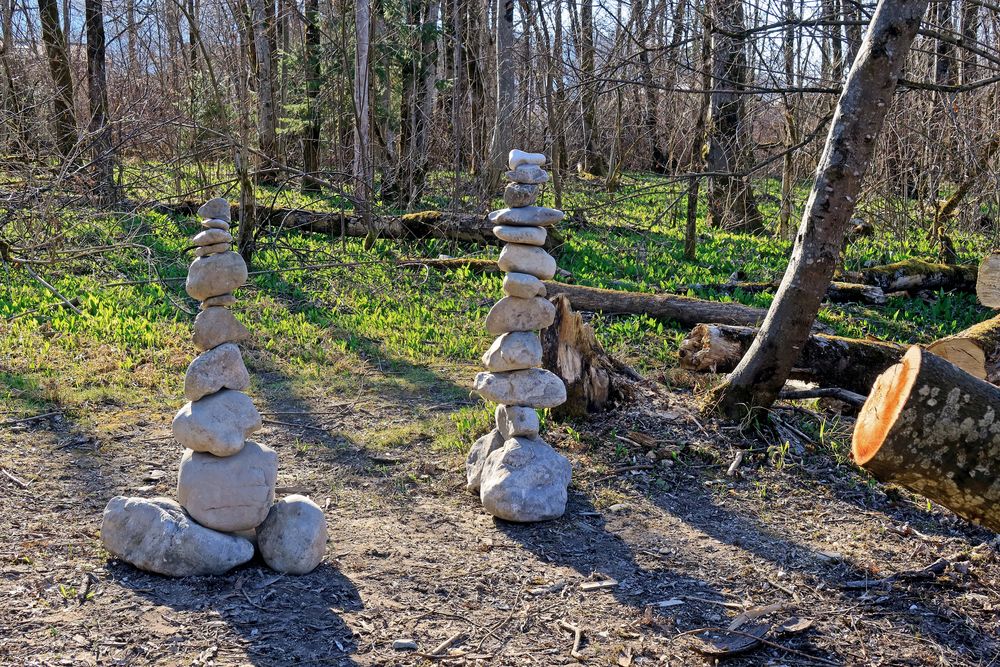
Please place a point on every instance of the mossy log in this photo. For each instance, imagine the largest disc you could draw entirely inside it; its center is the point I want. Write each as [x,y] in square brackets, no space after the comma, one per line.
[988,281]
[829,361]
[918,274]
[975,350]
[837,292]
[933,428]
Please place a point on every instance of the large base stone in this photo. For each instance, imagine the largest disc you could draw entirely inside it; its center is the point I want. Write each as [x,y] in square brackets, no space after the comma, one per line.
[158,536]
[292,538]
[525,480]
[482,448]
[232,493]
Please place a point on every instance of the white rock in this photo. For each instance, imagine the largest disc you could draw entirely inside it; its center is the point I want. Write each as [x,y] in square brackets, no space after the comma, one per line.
[514,314]
[516,421]
[534,387]
[523,285]
[527,216]
[215,326]
[221,367]
[226,300]
[216,209]
[218,424]
[212,237]
[529,259]
[525,480]
[528,174]
[292,538]
[215,224]
[482,448]
[207,250]
[231,493]
[215,275]
[156,535]
[516,158]
[522,235]
[514,351]
[516,195]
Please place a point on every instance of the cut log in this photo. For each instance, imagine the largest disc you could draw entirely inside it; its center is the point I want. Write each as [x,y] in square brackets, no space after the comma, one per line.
[837,292]
[918,274]
[975,350]
[593,378]
[829,361]
[933,428]
[988,281]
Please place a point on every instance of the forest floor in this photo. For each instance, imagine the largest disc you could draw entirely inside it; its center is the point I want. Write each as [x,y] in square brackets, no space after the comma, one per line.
[362,372]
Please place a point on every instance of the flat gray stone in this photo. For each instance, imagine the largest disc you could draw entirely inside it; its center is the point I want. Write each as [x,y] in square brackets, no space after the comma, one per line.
[228,493]
[534,387]
[516,158]
[216,209]
[292,538]
[219,423]
[205,251]
[226,300]
[482,448]
[221,367]
[522,235]
[523,285]
[527,216]
[516,421]
[215,275]
[525,480]
[528,259]
[516,195]
[216,325]
[528,174]
[514,314]
[513,352]
[215,224]
[158,536]
[212,237]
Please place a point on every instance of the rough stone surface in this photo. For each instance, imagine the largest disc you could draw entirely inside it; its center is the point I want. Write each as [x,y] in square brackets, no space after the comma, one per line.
[526,216]
[516,158]
[516,195]
[513,314]
[216,209]
[215,249]
[212,237]
[525,480]
[156,535]
[516,421]
[528,259]
[481,448]
[292,538]
[523,285]
[230,493]
[514,351]
[218,424]
[226,300]
[215,224]
[522,235]
[215,275]
[534,387]
[215,326]
[528,174]
[221,367]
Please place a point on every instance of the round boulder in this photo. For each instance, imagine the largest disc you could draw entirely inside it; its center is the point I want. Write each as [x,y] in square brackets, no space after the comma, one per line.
[292,538]
[218,423]
[215,274]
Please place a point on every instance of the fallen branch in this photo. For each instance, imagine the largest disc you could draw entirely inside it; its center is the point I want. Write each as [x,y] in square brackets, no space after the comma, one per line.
[823,392]
[577,638]
[837,292]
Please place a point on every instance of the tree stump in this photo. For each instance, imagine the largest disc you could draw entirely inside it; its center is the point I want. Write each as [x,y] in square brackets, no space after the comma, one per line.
[975,350]
[933,428]
[988,281]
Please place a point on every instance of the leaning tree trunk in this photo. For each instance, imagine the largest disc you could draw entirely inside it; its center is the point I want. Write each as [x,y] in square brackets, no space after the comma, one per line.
[975,350]
[857,122]
[934,429]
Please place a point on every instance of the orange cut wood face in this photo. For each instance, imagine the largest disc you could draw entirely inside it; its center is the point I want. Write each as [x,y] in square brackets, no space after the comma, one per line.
[883,406]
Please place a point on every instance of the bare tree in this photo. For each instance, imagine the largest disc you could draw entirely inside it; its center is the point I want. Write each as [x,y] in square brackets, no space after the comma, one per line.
[63,118]
[97,88]
[502,125]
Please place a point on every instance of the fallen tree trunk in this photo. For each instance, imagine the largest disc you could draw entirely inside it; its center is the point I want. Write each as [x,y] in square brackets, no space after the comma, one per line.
[837,292]
[975,350]
[829,361]
[988,281]
[931,427]
[918,274]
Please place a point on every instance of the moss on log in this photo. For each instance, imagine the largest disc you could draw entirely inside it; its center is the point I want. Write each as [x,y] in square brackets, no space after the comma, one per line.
[919,274]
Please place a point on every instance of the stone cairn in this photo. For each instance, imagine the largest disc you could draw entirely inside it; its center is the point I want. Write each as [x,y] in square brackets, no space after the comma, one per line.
[225,486]
[517,475]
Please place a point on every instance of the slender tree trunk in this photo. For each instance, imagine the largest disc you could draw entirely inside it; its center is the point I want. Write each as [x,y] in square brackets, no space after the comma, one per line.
[314,74]
[791,129]
[697,159]
[970,34]
[363,175]
[593,159]
[63,116]
[267,124]
[506,100]
[97,88]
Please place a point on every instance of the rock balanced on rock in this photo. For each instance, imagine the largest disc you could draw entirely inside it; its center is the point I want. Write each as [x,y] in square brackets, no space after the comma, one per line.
[225,485]
[517,475]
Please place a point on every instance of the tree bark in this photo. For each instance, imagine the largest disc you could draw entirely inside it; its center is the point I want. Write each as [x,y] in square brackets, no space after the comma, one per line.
[314,73]
[63,116]
[267,116]
[97,88]
[932,428]
[860,113]
[593,160]
[363,174]
[975,350]
[988,281]
[504,118]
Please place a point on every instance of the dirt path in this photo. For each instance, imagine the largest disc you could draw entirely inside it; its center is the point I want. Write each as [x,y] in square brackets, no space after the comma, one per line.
[412,556]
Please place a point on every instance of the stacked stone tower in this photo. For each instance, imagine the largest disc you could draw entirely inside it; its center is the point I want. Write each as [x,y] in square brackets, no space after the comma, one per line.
[226,482]
[518,476]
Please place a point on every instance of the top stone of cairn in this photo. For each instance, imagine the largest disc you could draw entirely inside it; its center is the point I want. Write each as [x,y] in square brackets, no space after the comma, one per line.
[517,158]
[215,209]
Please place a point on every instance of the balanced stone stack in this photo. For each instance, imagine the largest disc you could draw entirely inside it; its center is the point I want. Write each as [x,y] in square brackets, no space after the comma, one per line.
[517,475]
[226,482]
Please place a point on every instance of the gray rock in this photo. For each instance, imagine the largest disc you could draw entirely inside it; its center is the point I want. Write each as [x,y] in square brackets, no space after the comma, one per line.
[526,216]
[216,209]
[231,493]
[481,448]
[523,285]
[516,158]
[513,314]
[525,480]
[218,424]
[215,224]
[404,645]
[156,535]
[226,300]
[517,421]
[207,250]
[528,259]
[212,237]
[534,387]
[513,352]
[292,538]
[215,275]
[528,174]
[516,195]
[215,326]
[522,235]
[221,367]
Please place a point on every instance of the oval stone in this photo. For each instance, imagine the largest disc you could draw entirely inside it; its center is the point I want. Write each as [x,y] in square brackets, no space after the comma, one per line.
[215,326]
[527,216]
[225,300]
[513,352]
[522,235]
[292,538]
[517,421]
[215,224]
[516,158]
[528,259]
[516,195]
[214,275]
[535,387]
[216,209]
[529,174]
[523,285]
[514,314]
[219,423]
[221,367]
[204,251]
[212,237]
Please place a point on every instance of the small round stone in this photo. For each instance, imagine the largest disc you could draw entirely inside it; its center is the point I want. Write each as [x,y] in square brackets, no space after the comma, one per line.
[293,537]
[215,224]
[212,237]
[516,195]
[216,209]
[223,300]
